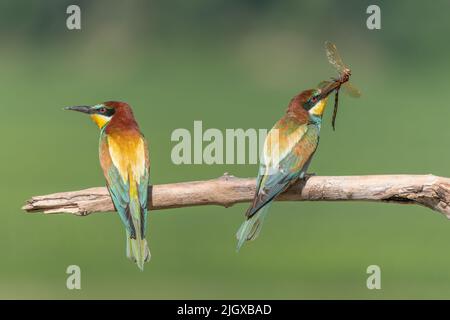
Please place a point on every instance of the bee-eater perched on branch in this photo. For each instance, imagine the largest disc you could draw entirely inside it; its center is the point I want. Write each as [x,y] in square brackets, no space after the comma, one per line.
[287,153]
[124,159]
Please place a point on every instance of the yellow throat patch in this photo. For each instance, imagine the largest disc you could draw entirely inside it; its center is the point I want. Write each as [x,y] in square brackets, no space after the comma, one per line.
[319,108]
[100,120]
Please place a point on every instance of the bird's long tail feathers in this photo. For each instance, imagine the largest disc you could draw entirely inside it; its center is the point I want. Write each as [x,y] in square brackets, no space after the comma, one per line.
[250,229]
[137,250]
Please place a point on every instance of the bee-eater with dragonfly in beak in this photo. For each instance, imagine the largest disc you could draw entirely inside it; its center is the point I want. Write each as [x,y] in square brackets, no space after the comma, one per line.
[287,153]
[124,159]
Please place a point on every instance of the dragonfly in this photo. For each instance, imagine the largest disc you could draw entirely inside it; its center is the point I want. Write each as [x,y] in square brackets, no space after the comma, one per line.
[342,81]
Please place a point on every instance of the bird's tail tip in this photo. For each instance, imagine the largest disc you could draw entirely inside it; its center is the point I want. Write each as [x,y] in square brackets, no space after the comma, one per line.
[250,228]
[138,251]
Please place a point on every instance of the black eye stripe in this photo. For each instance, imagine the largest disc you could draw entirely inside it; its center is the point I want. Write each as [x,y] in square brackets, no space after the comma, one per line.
[105,111]
[311,102]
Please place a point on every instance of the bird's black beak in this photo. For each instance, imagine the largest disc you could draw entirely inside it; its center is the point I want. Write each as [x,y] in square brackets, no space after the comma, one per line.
[84,109]
[329,88]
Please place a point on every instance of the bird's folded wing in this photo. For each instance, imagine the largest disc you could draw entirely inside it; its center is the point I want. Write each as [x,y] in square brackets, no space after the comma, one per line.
[143,185]
[120,194]
[279,169]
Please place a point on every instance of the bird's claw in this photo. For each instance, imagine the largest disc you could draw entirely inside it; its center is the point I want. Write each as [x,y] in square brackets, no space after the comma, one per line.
[308,175]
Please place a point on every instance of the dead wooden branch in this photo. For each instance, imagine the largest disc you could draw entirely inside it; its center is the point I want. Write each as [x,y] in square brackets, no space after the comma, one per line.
[426,190]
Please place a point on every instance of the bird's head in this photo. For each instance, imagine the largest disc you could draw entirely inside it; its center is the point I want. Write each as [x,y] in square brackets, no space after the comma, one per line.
[314,101]
[103,113]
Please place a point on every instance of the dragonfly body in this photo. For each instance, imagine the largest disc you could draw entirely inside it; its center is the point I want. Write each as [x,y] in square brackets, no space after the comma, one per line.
[342,81]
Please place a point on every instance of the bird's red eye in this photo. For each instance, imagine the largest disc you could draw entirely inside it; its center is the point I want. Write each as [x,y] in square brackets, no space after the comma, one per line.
[102,110]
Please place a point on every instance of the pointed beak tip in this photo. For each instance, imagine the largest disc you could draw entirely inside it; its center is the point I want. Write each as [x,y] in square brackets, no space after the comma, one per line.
[83,109]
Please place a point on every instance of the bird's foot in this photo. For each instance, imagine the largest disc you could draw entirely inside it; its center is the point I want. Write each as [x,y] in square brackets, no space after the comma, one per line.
[308,175]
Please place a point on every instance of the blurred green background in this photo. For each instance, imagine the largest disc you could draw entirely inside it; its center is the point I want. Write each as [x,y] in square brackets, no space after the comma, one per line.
[231,64]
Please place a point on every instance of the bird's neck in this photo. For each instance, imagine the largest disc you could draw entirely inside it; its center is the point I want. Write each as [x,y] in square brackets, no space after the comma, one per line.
[122,121]
[316,120]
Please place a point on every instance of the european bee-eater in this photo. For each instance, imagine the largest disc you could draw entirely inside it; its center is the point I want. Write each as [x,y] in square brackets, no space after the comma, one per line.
[124,159]
[288,149]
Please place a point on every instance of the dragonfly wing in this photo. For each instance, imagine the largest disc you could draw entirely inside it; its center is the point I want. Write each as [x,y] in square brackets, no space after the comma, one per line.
[333,57]
[351,90]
